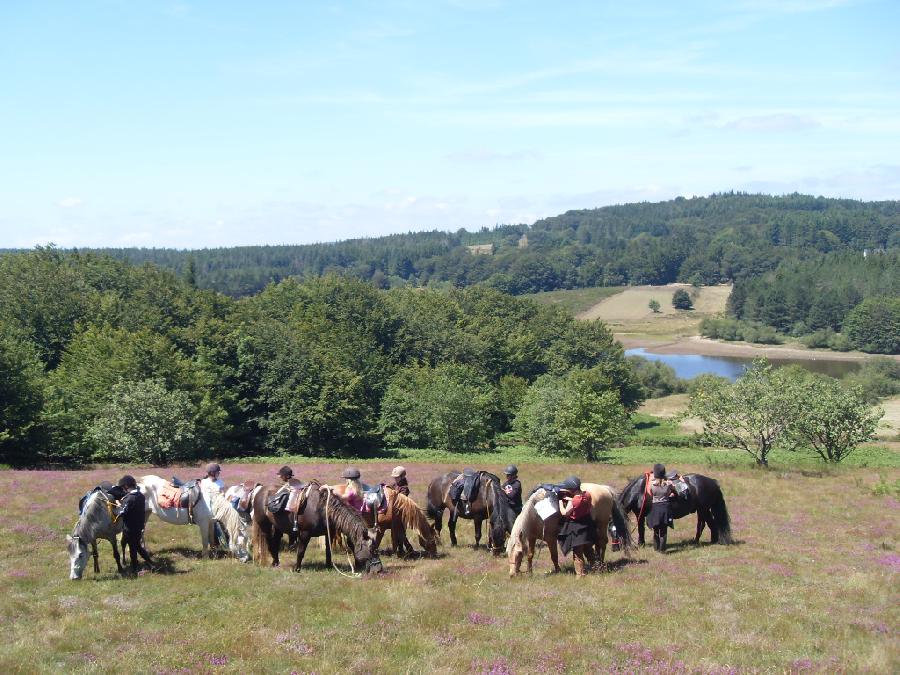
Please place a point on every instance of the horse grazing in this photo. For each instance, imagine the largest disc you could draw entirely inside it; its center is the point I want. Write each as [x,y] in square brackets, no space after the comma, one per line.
[401,513]
[319,514]
[199,515]
[529,527]
[95,522]
[236,528]
[490,503]
[703,496]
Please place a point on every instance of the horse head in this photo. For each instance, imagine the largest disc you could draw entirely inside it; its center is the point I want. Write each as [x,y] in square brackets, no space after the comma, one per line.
[497,525]
[364,555]
[78,556]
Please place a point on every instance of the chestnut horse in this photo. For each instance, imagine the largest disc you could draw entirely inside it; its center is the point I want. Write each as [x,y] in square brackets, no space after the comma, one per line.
[529,527]
[320,512]
[402,513]
[490,503]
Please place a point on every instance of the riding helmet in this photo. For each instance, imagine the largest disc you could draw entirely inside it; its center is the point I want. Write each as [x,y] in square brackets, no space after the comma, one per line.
[511,470]
[398,471]
[572,484]
[659,471]
[127,482]
[352,473]
[286,472]
[212,468]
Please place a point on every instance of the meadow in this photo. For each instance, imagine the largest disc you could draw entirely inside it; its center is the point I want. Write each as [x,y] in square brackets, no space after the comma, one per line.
[810,586]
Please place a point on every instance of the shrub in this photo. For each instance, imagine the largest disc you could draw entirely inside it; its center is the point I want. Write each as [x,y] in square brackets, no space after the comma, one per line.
[681,299]
[878,378]
[654,305]
[657,378]
[874,325]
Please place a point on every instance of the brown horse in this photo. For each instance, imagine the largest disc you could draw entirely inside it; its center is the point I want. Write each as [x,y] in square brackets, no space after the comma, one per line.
[402,513]
[529,527]
[320,512]
[490,503]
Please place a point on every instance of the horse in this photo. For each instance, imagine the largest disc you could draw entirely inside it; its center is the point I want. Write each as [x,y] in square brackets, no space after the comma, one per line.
[95,522]
[320,513]
[704,496]
[490,503]
[529,527]
[198,515]
[401,513]
[235,527]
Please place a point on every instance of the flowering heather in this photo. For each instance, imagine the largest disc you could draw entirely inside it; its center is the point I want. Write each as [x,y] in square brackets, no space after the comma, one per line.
[478,619]
[891,561]
[495,667]
[292,642]
[445,639]
[214,660]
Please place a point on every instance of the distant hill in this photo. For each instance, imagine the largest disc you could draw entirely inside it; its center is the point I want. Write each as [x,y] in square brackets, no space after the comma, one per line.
[716,239]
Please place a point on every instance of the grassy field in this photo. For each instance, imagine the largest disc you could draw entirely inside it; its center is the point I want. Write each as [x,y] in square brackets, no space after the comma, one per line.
[811,586]
[577,300]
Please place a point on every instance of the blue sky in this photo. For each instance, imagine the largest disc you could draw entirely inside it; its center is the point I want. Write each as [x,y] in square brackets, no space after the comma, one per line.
[200,124]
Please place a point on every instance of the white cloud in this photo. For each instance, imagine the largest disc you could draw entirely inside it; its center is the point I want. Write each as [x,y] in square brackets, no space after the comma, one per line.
[69,202]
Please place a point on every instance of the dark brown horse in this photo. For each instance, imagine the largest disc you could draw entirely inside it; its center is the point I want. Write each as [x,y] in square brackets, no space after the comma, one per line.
[490,503]
[320,513]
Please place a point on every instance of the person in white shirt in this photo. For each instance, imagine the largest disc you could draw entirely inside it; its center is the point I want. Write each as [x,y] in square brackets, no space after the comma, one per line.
[210,485]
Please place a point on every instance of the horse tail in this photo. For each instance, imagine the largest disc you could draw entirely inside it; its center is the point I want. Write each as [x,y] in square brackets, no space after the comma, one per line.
[412,517]
[260,545]
[620,521]
[721,520]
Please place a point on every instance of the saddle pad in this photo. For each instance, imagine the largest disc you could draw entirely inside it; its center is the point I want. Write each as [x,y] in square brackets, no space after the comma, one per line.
[545,508]
[168,496]
[297,488]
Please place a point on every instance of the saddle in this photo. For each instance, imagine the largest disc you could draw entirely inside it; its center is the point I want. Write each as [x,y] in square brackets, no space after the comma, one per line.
[180,495]
[680,485]
[372,499]
[113,493]
[244,505]
[465,488]
[287,497]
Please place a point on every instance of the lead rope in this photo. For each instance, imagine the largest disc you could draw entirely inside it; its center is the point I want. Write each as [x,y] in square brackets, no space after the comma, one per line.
[353,573]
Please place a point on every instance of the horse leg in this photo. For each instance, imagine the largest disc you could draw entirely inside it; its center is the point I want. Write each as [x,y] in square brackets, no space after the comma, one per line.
[302,542]
[531,547]
[115,548]
[273,541]
[94,553]
[640,526]
[701,521]
[602,541]
[379,535]
[478,533]
[451,526]
[554,554]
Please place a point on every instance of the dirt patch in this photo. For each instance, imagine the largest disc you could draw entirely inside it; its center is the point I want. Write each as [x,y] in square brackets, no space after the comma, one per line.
[632,304]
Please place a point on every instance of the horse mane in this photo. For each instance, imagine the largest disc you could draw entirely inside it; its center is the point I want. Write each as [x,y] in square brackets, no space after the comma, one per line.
[500,508]
[225,514]
[412,516]
[516,541]
[344,519]
[629,492]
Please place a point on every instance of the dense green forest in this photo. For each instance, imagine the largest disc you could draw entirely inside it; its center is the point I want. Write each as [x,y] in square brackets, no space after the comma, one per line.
[104,360]
[725,237]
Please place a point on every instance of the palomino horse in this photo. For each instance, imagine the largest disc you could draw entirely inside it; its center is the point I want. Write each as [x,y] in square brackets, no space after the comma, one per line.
[237,534]
[320,513]
[402,513]
[95,522]
[529,527]
[490,503]
[703,496]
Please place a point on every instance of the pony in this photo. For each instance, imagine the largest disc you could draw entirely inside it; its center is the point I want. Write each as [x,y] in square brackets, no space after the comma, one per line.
[529,527]
[703,496]
[490,503]
[402,513]
[320,513]
[236,528]
[202,517]
[95,522]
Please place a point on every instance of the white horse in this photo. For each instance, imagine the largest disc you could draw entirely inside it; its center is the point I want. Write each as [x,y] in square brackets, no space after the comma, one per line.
[202,518]
[94,523]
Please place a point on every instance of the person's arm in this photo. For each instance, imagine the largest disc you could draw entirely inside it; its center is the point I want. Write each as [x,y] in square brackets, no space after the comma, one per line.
[565,506]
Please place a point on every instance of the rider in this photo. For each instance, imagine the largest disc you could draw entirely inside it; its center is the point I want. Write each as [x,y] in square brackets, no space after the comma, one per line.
[660,516]
[285,473]
[401,485]
[353,494]
[210,485]
[513,488]
[577,532]
[133,518]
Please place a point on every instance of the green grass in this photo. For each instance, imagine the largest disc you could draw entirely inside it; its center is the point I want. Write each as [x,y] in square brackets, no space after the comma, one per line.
[576,300]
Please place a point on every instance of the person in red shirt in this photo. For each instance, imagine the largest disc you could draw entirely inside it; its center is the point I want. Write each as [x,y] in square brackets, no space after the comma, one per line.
[578,531]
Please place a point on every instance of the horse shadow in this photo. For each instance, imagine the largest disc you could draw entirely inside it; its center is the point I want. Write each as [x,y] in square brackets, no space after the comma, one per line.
[679,547]
[620,563]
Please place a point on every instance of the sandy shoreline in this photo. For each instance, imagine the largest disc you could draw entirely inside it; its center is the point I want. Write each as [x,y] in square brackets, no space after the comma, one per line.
[706,347]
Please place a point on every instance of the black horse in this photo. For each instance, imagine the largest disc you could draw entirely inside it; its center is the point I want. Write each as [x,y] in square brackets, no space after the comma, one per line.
[704,496]
[490,503]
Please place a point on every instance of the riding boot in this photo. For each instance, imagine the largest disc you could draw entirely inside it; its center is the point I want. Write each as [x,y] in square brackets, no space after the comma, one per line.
[655,540]
[662,543]
[578,559]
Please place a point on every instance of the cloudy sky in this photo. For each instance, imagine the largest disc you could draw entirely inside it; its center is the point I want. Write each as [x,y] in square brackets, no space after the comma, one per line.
[201,124]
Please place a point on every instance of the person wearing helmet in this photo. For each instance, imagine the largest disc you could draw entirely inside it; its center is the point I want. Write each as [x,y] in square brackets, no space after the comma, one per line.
[578,531]
[513,488]
[210,485]
[354,492]
[133,515]
[285,474]
[661,490]
[400,483]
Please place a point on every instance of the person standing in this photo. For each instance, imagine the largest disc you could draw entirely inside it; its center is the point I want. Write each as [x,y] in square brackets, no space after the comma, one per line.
[661,490]
[513,488]
[578,531]
[401,485]
[210,485]
[133,515]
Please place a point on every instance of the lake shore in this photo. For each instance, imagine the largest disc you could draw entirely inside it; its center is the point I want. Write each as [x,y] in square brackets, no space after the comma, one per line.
[696,344]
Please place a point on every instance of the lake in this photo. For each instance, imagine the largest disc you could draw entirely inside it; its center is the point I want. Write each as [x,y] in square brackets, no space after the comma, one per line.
[689,366]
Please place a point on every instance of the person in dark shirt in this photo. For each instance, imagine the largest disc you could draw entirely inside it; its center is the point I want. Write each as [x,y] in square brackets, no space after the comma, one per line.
[133,518]
[401,485]
[513,488]
[578,531]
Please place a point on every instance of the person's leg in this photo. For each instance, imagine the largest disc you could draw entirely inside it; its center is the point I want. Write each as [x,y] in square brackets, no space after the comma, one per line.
[134,543]
[578,560]
[655,538]
[663,531]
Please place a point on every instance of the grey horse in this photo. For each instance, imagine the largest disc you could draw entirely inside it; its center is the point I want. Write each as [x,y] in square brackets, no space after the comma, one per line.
[94,523]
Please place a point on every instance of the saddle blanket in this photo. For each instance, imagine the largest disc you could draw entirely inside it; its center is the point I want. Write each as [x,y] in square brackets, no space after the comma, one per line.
[168,496]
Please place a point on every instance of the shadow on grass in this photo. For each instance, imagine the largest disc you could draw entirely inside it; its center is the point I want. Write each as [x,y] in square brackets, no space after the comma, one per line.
[688,545]
[620,563]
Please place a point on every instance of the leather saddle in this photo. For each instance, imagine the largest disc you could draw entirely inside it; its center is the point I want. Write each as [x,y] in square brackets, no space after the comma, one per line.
[465,487]
[679,484]
[287,497]
[189,492]
[375,500]
[113,493]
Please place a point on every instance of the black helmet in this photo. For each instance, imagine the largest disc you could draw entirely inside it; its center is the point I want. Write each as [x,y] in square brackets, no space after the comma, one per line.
[212,468]
[469,471]
[659,471]
[572,484]
[351,472]
[286,472]
[511,470]
[127,482]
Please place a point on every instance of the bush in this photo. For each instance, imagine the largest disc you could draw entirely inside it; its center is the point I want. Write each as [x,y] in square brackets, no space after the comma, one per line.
[682,300]
[878,378]
[657,378]
[654,305]
[839,342]
[21,395]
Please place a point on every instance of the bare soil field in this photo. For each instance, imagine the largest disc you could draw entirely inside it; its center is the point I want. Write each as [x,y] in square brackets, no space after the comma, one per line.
[811,586]
[632,303]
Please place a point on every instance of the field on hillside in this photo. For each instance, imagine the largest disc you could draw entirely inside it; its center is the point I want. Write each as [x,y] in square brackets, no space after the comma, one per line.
[811,586]
[576,300]
[627,313]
